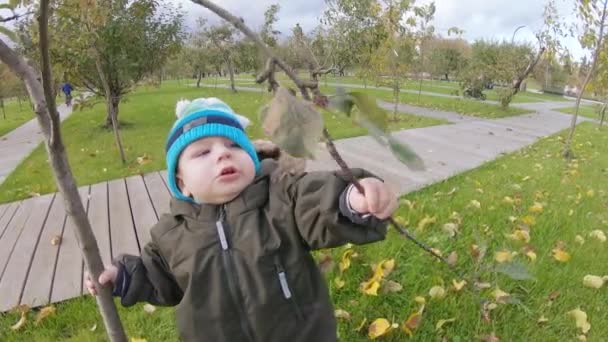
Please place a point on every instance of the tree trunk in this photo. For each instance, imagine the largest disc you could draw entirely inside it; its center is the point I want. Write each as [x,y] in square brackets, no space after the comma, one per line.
[231,71]
[198,79]
[19,100]
[528,70]
[567,147]
[112,101]
[603,114]
[49,122]
[2,106]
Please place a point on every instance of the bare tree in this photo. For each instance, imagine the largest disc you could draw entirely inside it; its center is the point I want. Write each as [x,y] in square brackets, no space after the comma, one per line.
[41,93]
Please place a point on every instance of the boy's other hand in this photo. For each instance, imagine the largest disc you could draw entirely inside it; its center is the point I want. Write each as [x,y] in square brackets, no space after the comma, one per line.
[107,276]
[379,200]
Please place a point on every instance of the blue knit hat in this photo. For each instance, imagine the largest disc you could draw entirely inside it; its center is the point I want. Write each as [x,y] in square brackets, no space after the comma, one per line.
[200,118]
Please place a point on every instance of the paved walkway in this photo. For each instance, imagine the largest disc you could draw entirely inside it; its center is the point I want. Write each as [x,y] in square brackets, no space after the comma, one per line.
[36,272]
[19,143]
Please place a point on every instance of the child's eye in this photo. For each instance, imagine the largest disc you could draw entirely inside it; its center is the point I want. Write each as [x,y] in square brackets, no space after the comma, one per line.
[202,153]
[233,144]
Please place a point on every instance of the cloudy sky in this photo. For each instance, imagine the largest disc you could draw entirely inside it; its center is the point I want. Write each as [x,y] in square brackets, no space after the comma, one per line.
[495,19]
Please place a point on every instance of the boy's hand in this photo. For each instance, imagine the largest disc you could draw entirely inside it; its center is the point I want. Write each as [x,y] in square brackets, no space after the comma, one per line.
[107,276]
[379,200]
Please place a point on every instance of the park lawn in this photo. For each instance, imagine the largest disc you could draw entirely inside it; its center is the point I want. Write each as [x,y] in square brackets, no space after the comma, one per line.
[588,111]
[147,117]
[458,105]
[16,115]
[559,200]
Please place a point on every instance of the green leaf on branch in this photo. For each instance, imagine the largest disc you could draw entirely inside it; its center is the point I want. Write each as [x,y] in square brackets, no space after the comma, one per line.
[365,112]
[514,270]
[294,125]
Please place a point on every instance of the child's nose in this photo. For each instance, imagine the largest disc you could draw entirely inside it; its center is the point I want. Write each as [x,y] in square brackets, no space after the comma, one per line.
[224,153]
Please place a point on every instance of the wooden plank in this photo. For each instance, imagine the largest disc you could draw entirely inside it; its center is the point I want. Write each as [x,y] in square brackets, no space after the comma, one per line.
[98,216]
[38,285]
[122,232]
[158,192]
[100,224]
[67,282]
[144,216]
[7,217]
[4,209]
[17,267]
[11,232]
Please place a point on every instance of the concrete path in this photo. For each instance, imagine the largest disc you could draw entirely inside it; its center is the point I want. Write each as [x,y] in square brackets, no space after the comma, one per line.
[19,143]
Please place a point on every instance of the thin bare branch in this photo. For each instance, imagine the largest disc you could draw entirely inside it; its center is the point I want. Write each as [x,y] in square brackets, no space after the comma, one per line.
[319,99]
[15,17]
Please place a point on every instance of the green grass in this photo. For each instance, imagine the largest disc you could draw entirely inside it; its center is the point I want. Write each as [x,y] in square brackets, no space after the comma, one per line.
[535,174]
[462,106]
[459,105]
[15,115]
[589,111]
[147,117]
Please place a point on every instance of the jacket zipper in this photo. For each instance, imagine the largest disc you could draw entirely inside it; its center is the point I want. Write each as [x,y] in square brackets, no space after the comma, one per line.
[285,287]
[231,276]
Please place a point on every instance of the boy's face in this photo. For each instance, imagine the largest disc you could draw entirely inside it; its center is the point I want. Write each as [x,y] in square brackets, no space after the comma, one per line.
[214,170]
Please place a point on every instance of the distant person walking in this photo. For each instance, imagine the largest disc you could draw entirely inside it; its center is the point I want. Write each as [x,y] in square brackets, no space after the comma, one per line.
[67,88]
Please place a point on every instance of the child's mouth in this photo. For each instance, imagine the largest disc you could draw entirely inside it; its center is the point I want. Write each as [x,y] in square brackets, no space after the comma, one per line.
[228,173]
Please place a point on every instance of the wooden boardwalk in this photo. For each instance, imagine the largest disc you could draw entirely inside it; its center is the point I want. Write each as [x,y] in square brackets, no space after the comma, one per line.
[36,272]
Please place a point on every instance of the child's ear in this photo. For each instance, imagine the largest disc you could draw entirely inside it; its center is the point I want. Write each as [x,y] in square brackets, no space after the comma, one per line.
[182,186]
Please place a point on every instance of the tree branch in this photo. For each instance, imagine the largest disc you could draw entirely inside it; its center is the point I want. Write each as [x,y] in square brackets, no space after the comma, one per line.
[47,80]
[238,23]
[14,17]
[50,127]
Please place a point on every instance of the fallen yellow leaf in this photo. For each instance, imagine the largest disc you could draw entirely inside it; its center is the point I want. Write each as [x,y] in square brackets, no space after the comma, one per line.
[371,288]
[339,283]
[508,200]
[21,322]
[475,204]
[579,239]
[458,285]
[561,255]
[519,235]
[378,328]
[437,292]
[388,266]
[451,229]
[503,256]
[542,319]
[528,220]
[411,323]
[580,317]
[500,295]
[134,339]
[593,281]
[339,313]
[44,313]
[536,208]
[443,322]
[420,300]
[598,234]
[391,286]
[425,222]
[345,260]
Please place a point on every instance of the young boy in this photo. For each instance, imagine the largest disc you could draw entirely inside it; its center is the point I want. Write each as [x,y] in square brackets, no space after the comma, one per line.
[234,253]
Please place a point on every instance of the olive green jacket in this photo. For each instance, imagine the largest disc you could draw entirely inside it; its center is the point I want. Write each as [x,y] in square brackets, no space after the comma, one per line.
[242,271]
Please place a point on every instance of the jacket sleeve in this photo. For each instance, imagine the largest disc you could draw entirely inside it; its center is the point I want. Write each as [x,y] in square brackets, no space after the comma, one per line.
[321,219]
[146,278]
